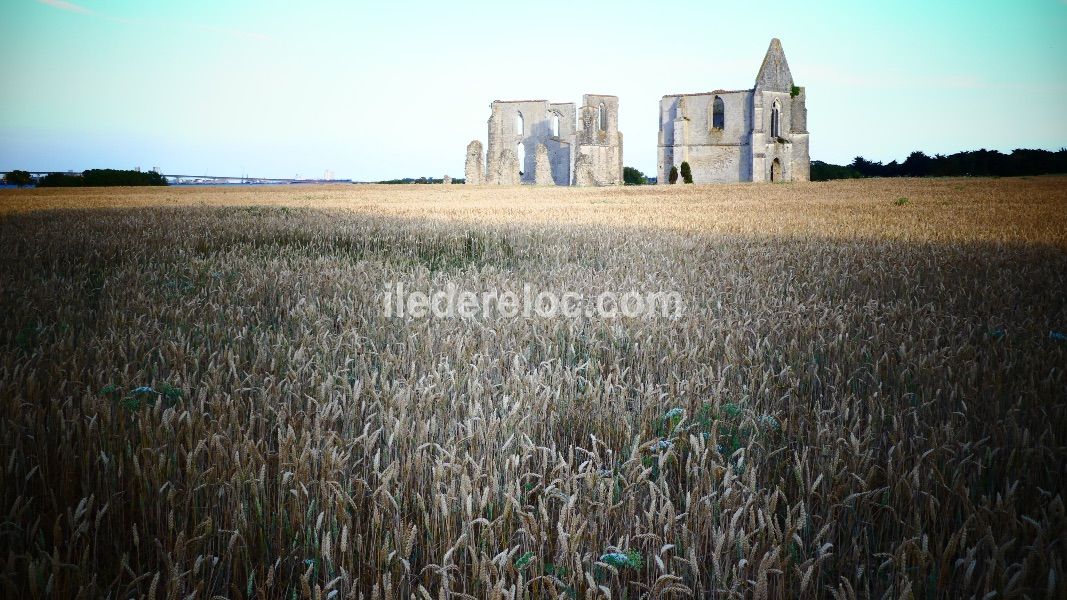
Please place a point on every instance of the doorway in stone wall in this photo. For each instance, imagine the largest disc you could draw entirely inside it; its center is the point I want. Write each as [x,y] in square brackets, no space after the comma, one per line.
[776,170]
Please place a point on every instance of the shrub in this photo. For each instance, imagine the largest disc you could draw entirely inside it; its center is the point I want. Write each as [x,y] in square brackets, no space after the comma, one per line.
[631,176]
[687,173]
[673,177]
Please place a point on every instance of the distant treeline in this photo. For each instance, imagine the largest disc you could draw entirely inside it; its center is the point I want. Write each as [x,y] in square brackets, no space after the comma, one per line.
[102,177]
[977,163]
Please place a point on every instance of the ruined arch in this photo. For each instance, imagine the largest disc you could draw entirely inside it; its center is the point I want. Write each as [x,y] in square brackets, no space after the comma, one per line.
[776,170]
[718,113]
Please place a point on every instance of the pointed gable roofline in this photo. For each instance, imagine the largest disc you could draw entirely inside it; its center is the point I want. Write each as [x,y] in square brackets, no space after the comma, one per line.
[774,75]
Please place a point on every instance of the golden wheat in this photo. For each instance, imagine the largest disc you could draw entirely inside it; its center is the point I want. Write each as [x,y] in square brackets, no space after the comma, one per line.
[864,398]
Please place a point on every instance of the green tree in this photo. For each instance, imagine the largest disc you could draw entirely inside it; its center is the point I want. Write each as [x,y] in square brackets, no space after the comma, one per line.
[19,178]
[687,173]
[673,177]
[631,176]
[102,177]
[821,171]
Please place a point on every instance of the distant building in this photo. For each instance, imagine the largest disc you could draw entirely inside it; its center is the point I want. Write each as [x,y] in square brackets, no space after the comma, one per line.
[760,134]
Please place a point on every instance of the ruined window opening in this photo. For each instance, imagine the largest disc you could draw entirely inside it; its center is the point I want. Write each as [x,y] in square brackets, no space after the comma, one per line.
[602,117]
[776,170]
[775,120]
[518,123]
[718,117]
[520,154]
[555,124]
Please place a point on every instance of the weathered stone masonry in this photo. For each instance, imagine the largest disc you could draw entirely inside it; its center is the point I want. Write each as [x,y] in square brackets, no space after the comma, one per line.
[543,143]
[758,134]
[474,171]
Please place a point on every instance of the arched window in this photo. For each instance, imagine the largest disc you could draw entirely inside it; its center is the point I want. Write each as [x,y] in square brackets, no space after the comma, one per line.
[718,114]
[554,120]
[776,117]
[776,170]
[518,123]
[602,117]
[520,154]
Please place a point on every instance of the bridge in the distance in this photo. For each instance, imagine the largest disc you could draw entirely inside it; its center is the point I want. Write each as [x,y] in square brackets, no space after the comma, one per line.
[205,179]
[221,179]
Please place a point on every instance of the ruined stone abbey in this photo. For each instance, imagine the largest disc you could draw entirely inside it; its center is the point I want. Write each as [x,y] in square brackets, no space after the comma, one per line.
[757,134]
[545,143]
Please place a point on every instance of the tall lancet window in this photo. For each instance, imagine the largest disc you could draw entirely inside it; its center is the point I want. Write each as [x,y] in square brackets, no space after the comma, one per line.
[718,116]
[776,120]
[603,117]
[518,123]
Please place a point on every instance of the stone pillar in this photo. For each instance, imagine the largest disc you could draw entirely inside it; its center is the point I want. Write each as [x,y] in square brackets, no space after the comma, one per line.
[542,168]
[474,171]
[759,140]
[617,174]
[507,168]
[493,149]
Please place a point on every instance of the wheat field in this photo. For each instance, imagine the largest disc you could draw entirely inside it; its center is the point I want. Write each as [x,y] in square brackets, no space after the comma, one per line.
[201,395]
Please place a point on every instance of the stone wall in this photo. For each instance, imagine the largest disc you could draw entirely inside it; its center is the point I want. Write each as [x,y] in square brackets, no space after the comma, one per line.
[554,128]
[719,163]
[603,165]
[688,134]
[800,161]
[537,119]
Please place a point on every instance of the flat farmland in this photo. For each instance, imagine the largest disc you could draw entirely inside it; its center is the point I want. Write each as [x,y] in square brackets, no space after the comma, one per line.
[203,391]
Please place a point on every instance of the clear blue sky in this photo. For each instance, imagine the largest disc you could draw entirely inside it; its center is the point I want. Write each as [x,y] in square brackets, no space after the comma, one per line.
[375,90]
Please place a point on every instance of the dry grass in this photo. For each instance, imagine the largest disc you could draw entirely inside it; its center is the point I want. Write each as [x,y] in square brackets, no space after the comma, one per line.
[871,403]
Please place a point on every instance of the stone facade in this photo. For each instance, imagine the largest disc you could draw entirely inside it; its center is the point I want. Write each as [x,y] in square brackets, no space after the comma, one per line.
[520,129]
[758,134]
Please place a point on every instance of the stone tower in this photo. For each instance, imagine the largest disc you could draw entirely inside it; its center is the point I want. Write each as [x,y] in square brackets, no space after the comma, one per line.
[599,142]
